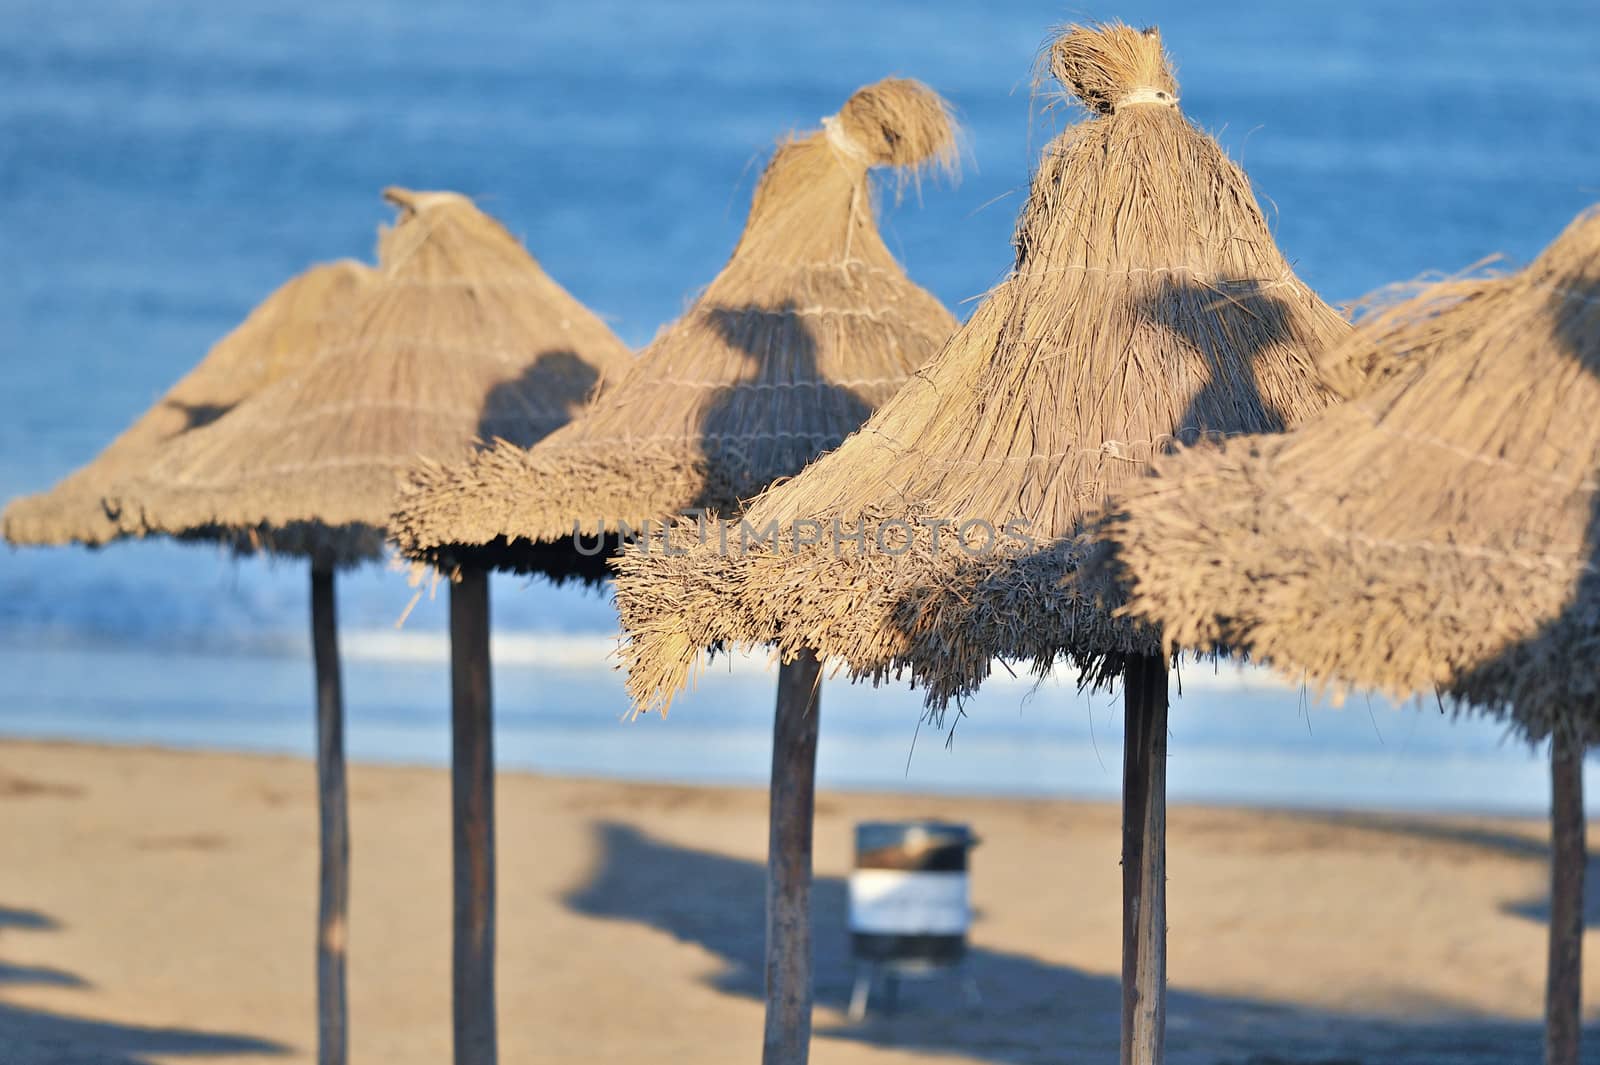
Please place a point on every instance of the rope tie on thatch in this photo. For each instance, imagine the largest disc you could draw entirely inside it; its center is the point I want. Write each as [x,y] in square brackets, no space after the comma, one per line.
[845,265]
[1146,95]
[840,141]
[818,311]
[760,386]
[499,352]
[1587,484]
[1262,283]
[354,406]
[507,280]
[700,438]
[1560,563]
[671,443]
[1189,436]
[851,150]
[1126,450]
[846,312]
[281,469]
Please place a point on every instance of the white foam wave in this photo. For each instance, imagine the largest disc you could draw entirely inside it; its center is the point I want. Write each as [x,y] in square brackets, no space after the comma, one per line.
[598,651]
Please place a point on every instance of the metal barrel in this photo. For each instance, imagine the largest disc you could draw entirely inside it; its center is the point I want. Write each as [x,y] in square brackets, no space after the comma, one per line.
[908,893]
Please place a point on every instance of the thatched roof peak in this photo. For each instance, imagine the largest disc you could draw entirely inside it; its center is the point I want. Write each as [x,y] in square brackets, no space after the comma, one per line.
[442,238]
[1112,65]
[896,122]
[813,203]
[412,202]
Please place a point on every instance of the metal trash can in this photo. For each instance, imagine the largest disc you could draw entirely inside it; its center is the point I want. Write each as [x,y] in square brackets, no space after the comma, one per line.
[909,909]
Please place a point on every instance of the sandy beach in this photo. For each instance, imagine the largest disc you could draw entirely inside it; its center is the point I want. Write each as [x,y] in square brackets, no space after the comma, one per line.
[156,907]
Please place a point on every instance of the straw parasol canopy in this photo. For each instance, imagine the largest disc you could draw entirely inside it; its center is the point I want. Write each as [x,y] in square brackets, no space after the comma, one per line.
[1439,531]
[1148,305]
[466,339]
[276,339]
[808,328]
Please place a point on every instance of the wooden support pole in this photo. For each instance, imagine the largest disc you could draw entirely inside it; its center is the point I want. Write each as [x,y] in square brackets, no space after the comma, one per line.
[472,821]
[793,805]
[1144,862]
[333,876]
[1563,1002]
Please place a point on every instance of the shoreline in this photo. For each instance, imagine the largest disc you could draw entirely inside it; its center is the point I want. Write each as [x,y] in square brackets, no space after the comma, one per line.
[69,743]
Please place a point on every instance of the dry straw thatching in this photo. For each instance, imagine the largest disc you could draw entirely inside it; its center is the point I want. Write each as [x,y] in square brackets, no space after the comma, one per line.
[808,328]
[1148,304]
[276,339]
[465,339]
[1441,530]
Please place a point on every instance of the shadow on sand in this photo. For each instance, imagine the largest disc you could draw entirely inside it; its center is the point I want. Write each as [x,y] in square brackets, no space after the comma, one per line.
[1533,849]
[36,1037]
[1033,1011]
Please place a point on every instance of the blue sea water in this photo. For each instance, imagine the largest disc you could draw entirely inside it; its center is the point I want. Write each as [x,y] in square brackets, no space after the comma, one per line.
[166,163]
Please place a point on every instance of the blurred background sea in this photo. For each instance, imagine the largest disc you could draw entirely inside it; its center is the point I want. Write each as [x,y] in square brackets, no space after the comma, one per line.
[167,163]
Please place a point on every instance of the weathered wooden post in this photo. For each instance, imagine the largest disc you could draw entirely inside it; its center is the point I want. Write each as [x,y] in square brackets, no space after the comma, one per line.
[789,851]
[333,875]
[1144,861]
[1563,1002]
[472,820]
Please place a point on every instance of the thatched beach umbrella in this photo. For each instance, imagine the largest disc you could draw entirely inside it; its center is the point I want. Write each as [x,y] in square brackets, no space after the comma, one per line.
[465,339]
[275,339]
[810,325]
[1440,531]
[1148,304]
[278,339]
